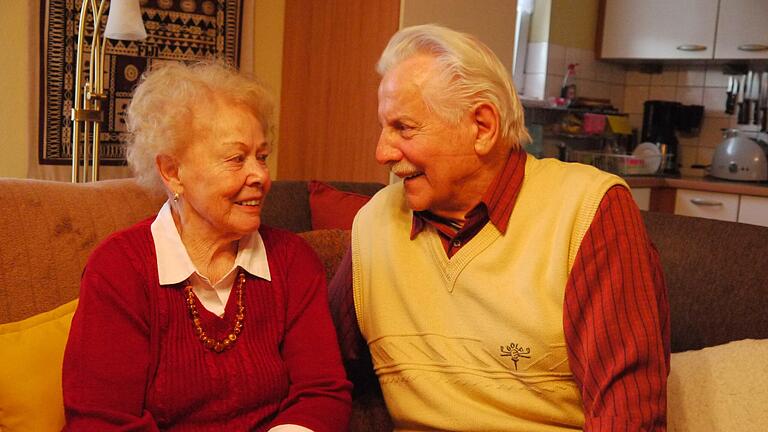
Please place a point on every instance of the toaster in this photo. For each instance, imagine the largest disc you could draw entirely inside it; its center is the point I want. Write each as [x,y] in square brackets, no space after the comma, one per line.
[739,158]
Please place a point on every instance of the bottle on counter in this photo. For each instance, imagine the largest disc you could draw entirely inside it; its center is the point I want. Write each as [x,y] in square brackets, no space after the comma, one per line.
[568,90]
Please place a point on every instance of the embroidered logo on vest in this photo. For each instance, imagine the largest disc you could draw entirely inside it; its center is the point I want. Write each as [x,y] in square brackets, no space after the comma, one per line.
[515,351]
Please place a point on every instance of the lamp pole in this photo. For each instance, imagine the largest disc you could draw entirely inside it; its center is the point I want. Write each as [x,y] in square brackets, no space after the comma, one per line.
[124,23]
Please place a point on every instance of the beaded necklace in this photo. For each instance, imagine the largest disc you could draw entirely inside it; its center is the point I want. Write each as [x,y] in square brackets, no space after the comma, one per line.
[229,340]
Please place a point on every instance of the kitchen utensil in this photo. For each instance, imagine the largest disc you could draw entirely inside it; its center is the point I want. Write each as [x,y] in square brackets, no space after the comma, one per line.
[651,154]
[755,99]
[739,158]
[764,102]
[740,99]
[730,95]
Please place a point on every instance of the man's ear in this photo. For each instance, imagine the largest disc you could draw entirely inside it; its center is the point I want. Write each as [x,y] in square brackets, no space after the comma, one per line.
[168,167]
[486,118]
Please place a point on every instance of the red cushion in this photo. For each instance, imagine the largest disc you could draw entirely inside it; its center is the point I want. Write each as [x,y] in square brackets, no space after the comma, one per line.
[332,208]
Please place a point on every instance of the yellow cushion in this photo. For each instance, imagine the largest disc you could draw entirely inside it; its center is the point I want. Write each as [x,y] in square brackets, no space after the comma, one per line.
[31,354]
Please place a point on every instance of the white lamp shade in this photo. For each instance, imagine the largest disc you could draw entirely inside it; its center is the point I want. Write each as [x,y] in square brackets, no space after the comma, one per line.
[124,21]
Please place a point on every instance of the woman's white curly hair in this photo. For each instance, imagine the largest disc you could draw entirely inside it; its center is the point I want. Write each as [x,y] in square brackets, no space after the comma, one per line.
[164,116]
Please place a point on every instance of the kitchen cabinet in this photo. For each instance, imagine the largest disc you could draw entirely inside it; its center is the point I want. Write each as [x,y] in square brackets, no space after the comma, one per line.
[659,29]
[710,205]
[684,29]
[742,30]
[753,210]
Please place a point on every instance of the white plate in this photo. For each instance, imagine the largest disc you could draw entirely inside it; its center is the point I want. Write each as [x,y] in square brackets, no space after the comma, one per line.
[651,154]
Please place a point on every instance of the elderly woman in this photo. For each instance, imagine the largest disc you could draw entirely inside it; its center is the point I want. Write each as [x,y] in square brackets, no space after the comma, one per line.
[201,318]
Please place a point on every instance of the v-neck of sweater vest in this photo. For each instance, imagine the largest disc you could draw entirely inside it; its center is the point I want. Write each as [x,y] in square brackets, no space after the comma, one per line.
[451,268]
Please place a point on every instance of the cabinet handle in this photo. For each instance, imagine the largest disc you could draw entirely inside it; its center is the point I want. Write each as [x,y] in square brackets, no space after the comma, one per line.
[692,47]
[705,202]
[753,47]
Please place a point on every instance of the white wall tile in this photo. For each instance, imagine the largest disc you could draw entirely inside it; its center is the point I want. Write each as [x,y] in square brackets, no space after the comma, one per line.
[636,121]
[690,95]
[711,130]
[688,155]
[553,86]
[616,94]
[714,102]
[668,76]
[592,89]
[714,77]
[536,61]
[637,78]
[603,71]
[634,97]
[556,59]
[665,93]
[618,74]
[705,155]
[691,76]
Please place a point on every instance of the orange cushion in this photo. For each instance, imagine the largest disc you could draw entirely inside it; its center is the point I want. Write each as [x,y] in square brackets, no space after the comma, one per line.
[332,208]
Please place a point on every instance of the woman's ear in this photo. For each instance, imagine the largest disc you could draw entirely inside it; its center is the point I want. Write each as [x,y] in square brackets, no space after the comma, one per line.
[168,167]
[486,118]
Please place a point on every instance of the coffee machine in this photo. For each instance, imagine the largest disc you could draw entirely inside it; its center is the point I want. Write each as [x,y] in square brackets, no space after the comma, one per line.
[661,121]
[659,124]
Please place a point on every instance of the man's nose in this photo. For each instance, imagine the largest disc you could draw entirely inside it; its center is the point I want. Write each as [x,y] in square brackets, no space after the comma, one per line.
[387,150]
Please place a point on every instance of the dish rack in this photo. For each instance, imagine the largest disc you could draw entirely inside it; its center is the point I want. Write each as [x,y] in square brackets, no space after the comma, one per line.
[623,164]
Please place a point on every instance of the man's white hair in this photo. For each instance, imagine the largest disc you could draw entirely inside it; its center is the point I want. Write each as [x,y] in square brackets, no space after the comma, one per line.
[469,73]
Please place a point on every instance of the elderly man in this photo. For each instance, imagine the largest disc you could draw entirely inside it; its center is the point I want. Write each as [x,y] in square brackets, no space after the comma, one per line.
[496,291]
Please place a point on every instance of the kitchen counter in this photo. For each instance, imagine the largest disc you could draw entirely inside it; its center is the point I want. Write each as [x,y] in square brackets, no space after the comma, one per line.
[699,183]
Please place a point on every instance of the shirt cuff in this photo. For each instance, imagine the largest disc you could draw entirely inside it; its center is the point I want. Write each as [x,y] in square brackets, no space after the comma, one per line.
[289,428]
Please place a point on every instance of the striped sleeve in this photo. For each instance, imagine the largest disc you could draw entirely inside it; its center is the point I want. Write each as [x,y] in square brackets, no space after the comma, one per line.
[616,321]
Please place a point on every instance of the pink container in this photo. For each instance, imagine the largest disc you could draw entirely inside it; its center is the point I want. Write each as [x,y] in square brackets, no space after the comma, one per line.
[594,123]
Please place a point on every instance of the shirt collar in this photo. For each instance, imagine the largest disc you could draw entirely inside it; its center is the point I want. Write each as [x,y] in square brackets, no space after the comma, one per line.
[175,266]
[499,199]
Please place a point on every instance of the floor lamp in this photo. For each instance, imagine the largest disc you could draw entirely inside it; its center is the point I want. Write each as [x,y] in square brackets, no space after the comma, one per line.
[123,23]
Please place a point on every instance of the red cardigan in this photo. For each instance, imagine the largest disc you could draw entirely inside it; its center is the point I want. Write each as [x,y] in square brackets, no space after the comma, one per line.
[133,362]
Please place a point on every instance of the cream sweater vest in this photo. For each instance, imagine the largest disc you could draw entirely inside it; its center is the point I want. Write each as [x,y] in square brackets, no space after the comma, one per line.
[475,342]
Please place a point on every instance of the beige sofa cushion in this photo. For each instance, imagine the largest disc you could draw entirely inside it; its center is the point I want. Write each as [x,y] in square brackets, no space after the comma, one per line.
[722,388]
[48,231]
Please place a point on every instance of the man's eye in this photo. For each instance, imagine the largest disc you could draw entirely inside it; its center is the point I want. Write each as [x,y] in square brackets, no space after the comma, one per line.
[262,157]
[238,159]
[401,126]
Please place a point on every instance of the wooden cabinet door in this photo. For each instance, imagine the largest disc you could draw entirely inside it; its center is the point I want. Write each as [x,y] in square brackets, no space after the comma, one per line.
[659,29]
[328,116]
[742,30]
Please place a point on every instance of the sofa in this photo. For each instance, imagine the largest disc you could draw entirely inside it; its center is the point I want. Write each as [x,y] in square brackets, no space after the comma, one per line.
[716,272]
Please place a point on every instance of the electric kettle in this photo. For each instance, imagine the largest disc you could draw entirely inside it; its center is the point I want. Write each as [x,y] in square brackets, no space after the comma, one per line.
[739,158]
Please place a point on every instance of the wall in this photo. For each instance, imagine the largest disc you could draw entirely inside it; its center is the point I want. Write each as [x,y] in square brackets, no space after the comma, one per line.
[492,21]
[261,53]
[563,32]
[691,85]
[18,82]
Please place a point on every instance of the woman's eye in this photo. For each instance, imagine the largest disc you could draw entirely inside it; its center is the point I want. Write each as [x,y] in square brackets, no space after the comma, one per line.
[262,157]
[238,159]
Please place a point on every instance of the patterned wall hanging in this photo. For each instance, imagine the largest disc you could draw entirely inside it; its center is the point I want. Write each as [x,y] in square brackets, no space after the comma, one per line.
[177,30]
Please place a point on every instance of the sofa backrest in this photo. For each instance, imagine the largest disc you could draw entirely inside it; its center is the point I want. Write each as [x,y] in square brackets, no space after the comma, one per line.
[47,231]
[287,205]
[717,276]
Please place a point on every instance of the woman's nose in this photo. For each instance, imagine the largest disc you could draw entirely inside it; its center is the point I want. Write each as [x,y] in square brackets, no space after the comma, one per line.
[257,171]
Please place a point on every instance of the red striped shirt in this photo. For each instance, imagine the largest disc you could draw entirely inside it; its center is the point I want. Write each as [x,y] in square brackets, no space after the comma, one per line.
[615,313]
